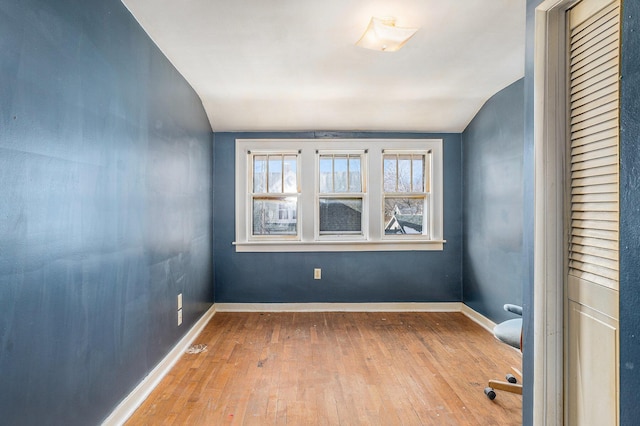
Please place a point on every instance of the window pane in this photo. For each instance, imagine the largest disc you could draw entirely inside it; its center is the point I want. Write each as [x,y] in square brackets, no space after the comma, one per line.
[259,173]
[341,216]
[275,216]
[275,173]
[355,176]
[326,173]
[340,173]
[418,173]
[290,174]
[390,174]
[404,173]
[403,215]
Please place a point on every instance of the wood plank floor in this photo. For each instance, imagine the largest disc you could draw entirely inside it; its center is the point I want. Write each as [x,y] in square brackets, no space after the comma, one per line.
[337,369]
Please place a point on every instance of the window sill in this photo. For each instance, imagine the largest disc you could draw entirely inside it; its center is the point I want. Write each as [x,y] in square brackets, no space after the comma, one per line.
[322,246]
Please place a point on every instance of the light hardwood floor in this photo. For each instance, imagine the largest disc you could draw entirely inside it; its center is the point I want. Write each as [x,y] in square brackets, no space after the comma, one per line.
[337,369]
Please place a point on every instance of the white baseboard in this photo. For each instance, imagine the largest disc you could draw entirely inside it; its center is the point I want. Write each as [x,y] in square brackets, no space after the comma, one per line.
[125,409]
[478,318]
[340,307]
[474,316]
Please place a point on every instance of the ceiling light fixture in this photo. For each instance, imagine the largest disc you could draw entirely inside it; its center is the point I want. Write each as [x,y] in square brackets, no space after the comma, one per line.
[383,35]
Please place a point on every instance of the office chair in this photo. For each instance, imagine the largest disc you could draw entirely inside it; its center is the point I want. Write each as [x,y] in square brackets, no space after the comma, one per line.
[509,332]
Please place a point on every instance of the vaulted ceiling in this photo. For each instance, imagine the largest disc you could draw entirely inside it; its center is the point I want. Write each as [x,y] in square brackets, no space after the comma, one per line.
[292,65]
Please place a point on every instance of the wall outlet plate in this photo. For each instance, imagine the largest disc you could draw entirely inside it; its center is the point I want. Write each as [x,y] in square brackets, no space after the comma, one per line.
[179,301]
[317,274]
[179,316]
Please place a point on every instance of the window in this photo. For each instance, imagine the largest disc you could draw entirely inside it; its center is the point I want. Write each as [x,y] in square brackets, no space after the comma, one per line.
[405,187]
[339,195]
[274,194]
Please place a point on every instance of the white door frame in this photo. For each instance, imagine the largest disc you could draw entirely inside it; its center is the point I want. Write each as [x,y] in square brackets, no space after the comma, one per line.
[550,133]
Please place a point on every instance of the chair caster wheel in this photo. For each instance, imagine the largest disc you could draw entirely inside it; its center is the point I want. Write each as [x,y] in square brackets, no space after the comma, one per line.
[491,394]
[511,378]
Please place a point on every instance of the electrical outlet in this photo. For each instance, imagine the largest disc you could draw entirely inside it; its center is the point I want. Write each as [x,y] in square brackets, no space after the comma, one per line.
[180,301]
[317,274]
[179,316]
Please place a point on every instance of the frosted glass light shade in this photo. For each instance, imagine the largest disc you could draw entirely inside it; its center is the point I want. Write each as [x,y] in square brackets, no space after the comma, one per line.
[383,35]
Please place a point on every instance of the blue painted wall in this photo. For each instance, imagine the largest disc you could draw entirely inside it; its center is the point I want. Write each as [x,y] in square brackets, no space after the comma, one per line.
[630,215]
[346,277]
[105,209]
[492,147]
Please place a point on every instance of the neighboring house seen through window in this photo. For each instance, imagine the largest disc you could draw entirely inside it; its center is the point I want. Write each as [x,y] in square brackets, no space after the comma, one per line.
[405,193]
[339,195]
[274,194]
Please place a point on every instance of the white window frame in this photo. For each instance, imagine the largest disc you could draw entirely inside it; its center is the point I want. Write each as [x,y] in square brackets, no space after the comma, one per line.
[251,195]
[308,239]
[425,194]
[362,194]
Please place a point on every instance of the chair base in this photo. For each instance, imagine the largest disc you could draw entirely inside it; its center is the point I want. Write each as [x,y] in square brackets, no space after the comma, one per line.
[512,385]
[509,332]
[506,386]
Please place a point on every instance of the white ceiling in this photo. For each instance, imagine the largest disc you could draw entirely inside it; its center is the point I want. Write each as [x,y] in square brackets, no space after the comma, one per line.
[292,65]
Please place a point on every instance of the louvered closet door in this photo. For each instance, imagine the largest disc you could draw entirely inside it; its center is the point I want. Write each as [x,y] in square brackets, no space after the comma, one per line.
[592,284]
